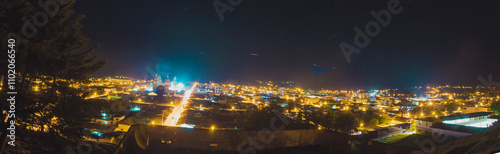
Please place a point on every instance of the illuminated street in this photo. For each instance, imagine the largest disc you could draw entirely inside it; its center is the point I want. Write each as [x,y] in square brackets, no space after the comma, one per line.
[173,118]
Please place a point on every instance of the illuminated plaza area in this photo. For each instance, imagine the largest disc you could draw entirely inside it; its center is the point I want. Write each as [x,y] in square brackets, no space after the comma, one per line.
[477,120]
[471,122]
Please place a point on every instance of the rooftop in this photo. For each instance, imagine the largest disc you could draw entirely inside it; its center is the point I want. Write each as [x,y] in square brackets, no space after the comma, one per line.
[458,128]
[464,116]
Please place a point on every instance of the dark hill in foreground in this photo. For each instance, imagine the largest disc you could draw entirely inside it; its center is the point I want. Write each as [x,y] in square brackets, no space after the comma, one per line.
[483,143]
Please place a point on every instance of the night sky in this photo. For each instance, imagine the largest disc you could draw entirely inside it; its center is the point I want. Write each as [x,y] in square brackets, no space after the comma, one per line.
[428,43]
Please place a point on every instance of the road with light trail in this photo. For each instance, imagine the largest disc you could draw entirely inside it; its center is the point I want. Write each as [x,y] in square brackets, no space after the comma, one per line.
[174,117]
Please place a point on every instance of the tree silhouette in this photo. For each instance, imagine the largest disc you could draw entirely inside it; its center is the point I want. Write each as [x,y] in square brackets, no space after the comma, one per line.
[345,122]
[495,107]
[53,54]
[374,122]
[450,107]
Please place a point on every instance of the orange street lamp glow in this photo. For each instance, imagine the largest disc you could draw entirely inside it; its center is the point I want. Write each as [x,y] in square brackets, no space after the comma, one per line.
[173,118]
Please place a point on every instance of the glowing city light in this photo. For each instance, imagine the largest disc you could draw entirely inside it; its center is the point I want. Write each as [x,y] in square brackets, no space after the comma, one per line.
[190,126]
[173,118]
[178,87]
[97,133]
[136,108]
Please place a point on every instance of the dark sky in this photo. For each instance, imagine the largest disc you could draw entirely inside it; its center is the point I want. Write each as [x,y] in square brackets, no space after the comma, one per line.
[430,42]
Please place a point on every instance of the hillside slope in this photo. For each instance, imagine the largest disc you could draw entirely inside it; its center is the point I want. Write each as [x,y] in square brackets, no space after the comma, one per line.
[483,143]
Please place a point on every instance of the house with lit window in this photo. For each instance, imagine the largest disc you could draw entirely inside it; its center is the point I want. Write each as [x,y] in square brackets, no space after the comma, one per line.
[107,119]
